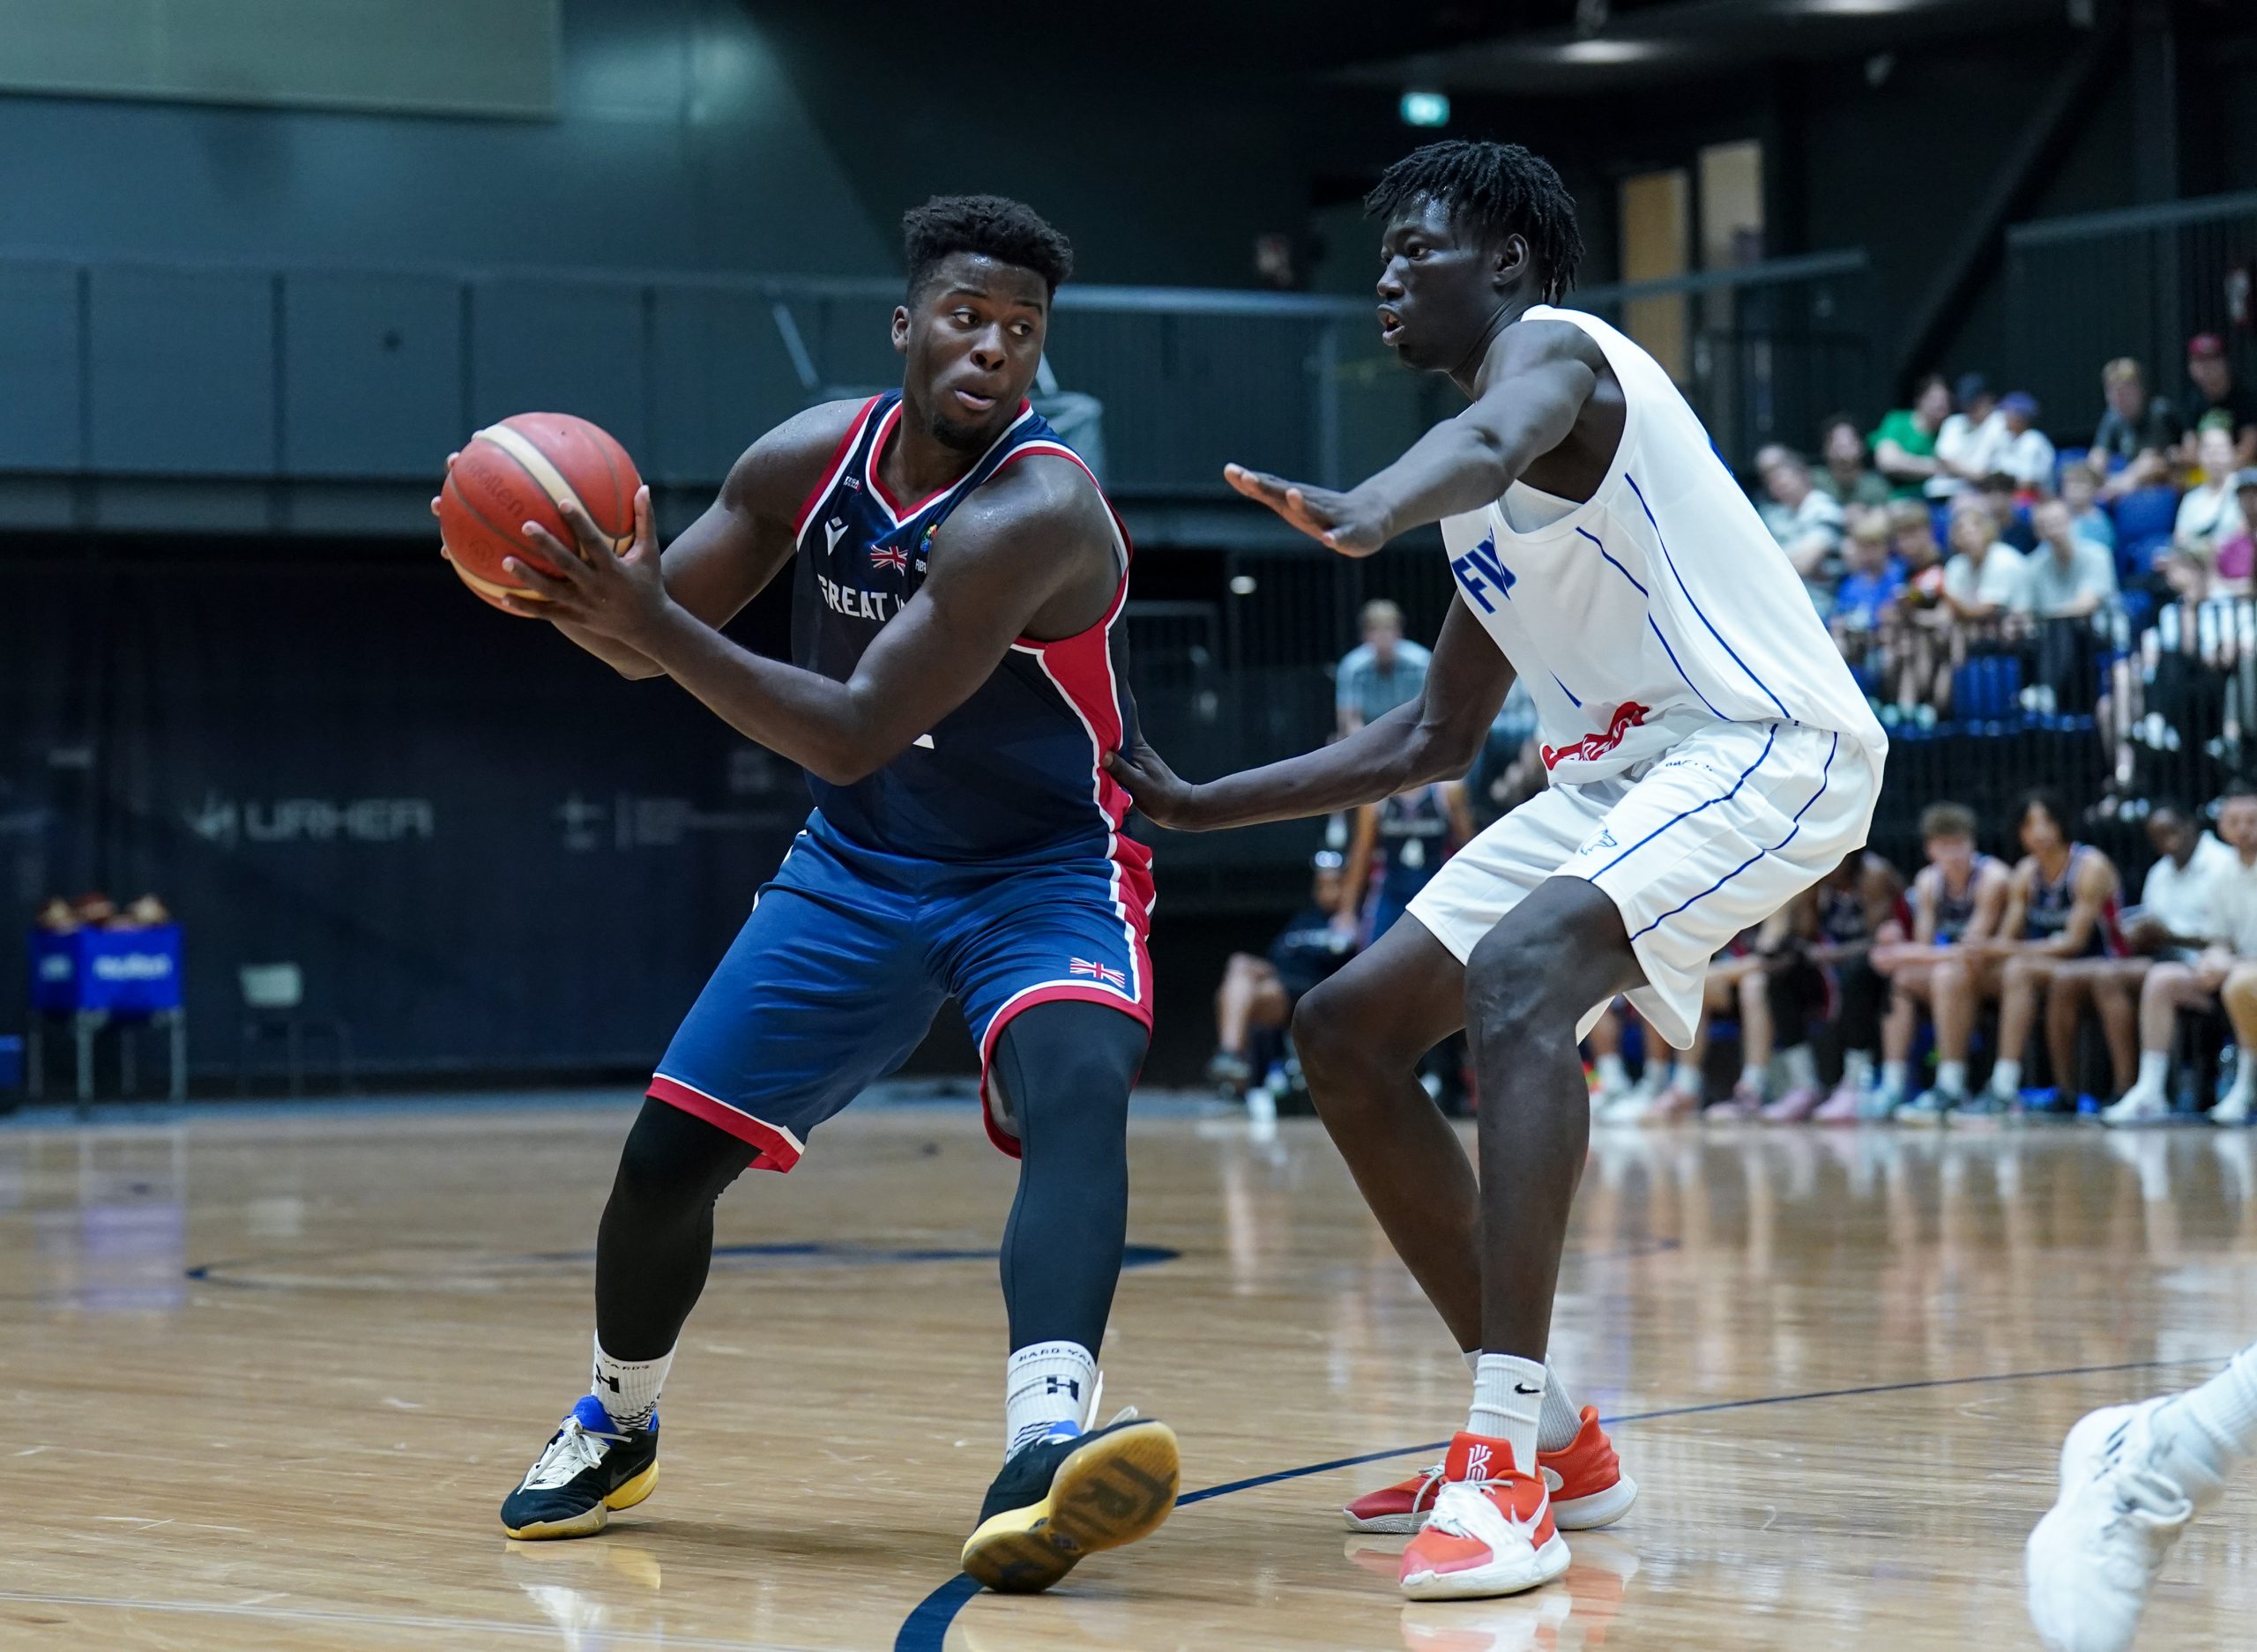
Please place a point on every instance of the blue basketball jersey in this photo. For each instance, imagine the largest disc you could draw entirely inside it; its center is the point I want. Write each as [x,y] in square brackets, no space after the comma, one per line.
[1018,771]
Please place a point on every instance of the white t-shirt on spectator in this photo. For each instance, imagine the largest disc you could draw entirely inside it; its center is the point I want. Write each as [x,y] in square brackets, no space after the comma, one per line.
[2027,458]
[1968,445]
[2048,587]
[2184,900]
[2234,900]
[2208,515]
[1999,581]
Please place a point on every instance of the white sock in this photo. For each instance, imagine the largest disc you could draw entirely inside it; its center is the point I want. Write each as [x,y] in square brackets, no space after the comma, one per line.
[2005,1076]
[1507,1404]
[1655,1079]
[1951,1077]
[630,1389]
[1801,1063]
[2245,1078]
[2224,1408]
[1611,1072]
[1557,1428]
[1856,1070]
[1751,1077]
[1685,1078]
[1044,1385]
[2154,1070]
[1895,1076]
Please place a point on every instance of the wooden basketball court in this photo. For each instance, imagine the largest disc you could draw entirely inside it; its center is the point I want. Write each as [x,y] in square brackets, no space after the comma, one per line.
[268,1375]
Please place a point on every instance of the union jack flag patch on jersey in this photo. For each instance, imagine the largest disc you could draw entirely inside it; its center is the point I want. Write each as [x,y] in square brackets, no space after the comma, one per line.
[890,556]
[1099,973]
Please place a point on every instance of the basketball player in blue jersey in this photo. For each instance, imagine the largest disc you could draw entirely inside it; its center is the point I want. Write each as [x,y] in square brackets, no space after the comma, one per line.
[956,691]
[1710,757]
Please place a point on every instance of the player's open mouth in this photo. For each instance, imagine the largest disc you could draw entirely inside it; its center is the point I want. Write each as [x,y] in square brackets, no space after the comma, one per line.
[975,401]
[1391,325]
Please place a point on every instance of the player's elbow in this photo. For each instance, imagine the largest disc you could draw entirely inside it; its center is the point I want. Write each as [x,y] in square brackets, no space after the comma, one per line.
[637,670]
[1443,751]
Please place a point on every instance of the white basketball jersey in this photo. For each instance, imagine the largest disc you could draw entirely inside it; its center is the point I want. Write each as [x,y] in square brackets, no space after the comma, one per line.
[1660,605]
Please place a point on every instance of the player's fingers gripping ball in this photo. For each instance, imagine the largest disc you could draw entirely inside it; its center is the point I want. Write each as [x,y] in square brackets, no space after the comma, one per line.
[521,471]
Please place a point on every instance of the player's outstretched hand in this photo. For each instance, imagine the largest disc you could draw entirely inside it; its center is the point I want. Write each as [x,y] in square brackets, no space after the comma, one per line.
[622,596]
[1340,521]
[1164,796]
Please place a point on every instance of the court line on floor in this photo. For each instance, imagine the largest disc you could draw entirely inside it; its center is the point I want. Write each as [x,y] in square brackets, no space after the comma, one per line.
[376,1620]
[926,1628]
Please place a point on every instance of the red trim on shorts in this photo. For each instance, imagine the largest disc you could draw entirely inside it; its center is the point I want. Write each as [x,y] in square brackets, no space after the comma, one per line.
[778,1151]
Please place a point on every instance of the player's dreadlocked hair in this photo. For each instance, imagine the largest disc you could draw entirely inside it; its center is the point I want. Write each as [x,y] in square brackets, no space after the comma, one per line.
[1496,189]
[1005,230]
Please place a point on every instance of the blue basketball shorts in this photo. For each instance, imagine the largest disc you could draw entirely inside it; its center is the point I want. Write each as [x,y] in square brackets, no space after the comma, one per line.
[849,951]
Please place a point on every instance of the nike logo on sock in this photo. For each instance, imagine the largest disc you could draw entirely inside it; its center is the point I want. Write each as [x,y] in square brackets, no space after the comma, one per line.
[1517,1389]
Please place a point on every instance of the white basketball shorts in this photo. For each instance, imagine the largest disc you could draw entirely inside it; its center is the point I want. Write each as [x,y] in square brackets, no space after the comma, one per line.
[1707,840]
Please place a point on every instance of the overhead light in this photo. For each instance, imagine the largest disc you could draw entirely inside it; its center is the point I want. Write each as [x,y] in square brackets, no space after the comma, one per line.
[1608,51]
[1425,108]
[1243,585]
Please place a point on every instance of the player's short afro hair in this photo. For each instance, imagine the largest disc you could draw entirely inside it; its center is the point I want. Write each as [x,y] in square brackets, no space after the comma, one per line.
[1009,232]
[1496,190]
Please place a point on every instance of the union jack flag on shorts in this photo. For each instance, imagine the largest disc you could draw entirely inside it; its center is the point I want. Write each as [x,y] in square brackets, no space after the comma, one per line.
[1099,973]
[890,556]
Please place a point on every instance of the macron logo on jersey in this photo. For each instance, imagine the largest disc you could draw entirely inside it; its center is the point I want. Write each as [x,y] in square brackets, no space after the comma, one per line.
[1480,572]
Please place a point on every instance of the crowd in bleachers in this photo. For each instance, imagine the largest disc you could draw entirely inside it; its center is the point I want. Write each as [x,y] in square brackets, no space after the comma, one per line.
[1972,571]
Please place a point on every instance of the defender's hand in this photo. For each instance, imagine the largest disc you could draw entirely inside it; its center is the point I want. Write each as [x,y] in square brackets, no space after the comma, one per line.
[620,595]
[1341,521]
[1166,798]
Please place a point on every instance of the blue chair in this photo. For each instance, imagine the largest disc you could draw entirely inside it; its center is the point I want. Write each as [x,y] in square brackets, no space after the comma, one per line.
[2146,513]
[1987,688]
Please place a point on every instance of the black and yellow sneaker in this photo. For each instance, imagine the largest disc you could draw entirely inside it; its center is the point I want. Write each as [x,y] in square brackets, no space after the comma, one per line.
[1070,1494]
[589,1468]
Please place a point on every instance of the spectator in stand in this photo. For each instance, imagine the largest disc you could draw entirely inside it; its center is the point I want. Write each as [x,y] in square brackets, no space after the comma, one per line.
[2080,491]
[1383,672]
[1917,639]
[2023,452]
[1967,439]
[1999,493]
[2068,577]
[2212,389]
[1806,523]
[2173,924]
[1904,445]
[2209,513]
[1871,580]
[2060,906]
[1780,991]
[1983,581]
[2225,969]
[2065,582]
[1258,993]
[2137,433]
[1958,901]
[2237,560]
[1846,477]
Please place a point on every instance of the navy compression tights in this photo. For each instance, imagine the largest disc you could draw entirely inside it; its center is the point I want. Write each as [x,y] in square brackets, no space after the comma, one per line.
[1065,1070]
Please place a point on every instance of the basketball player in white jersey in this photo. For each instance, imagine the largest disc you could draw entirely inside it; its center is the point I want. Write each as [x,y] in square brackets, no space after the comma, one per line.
[1709,758]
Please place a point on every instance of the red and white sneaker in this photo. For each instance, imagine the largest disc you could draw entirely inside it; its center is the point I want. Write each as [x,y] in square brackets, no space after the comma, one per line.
[1585,1477]
[1491,1532]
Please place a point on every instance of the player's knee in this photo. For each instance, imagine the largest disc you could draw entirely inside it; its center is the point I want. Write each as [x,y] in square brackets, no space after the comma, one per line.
[2240,989]
[1521,987]
[1328,1034]
[672,1165]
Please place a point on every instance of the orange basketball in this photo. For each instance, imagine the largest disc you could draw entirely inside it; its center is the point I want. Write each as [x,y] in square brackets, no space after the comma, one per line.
[519,471]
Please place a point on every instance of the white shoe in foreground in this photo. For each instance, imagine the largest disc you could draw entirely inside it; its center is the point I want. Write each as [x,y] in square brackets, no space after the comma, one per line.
[2233,1109]
[2090,1562]
[1491,1532]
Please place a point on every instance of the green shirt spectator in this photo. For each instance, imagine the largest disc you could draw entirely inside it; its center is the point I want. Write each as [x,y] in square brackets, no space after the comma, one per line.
[1904,446]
